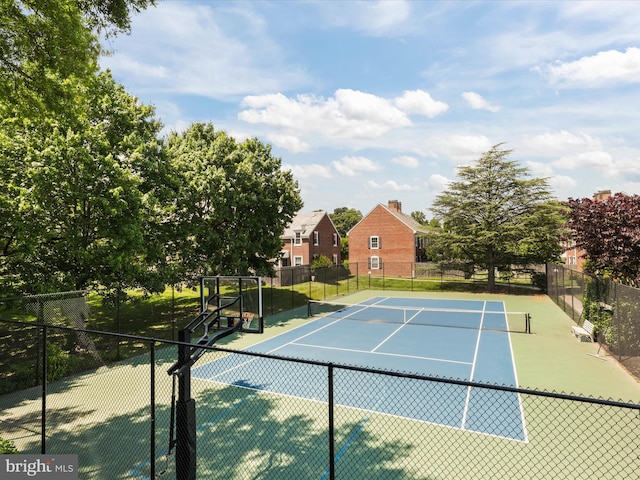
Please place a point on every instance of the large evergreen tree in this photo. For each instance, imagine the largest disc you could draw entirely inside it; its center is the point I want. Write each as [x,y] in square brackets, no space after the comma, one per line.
[494,215]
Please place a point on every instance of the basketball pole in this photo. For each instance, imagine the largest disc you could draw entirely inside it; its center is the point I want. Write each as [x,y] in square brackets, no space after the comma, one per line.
[185,414]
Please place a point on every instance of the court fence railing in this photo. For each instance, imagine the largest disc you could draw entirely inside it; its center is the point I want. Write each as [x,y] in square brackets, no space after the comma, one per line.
[292,286]
[116,416]
[613,309]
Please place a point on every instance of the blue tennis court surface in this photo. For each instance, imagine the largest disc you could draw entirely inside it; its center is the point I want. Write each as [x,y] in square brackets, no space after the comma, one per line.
[461,339]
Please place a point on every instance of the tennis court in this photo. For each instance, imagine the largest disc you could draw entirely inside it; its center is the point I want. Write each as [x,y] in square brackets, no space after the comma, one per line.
[454,339]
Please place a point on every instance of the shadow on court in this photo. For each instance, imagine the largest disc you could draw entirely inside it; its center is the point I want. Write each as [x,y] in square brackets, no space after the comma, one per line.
[241,433]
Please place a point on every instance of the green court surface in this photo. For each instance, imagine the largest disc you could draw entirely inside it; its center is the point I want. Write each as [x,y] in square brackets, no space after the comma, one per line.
[245,434]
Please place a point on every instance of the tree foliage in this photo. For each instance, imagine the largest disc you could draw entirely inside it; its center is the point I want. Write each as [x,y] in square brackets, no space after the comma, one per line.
[45,46]
[609,232]
[495,215]
[79,191]
[344,219]
[233,204]
[419,217]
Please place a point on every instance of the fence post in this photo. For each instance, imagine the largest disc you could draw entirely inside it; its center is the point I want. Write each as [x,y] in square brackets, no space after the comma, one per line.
[324,283]
[45,368]
[332,473]
[152,442]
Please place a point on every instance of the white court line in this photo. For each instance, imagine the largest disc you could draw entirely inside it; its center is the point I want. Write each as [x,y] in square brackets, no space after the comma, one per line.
[417,357]
[395,331]
[253,359]
[473,368]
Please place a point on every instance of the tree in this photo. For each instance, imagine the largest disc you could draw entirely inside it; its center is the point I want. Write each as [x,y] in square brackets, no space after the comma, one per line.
[234,202]
[44,44]
[345,219]
[495,216]
[609,232]
[81,191]
[419,217]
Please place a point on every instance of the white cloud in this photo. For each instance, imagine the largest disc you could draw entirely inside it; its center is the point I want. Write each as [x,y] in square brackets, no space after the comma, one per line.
[359,105]
[289,142]
[604,67]
[460,149]
[352,166]
[407,161]
[559,142]
[390,185]
[539,169]
[420,102]
[596,159]
[309,171]
[198,50]
[348,114]
[377,18]
[562,182]
[437,183]
[476,102]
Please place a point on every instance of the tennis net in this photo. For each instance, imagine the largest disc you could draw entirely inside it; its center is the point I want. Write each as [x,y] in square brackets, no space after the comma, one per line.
[518,322]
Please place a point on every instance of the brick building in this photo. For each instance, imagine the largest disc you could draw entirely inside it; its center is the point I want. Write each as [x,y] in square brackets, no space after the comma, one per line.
[573,256]
[386,242]
[309,236]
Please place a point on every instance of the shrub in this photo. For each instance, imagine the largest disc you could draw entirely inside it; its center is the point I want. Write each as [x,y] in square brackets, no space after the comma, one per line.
[7,447]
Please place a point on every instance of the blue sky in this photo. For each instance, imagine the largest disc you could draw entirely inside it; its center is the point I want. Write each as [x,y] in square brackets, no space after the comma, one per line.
[368,101]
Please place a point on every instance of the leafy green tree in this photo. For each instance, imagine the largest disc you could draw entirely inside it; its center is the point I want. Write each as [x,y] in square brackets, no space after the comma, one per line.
[435,223]
[496,216]
[82,191]
[419,217]
[46,45]
[344,219]
[233,204]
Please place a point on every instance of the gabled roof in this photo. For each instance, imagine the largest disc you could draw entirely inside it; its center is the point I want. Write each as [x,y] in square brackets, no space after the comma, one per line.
[305,223]
[408,220]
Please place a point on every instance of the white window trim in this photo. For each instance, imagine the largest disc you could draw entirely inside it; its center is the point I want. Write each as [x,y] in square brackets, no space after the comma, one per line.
[377,242]
[297,260]
[375,263]
[335,239]
[316,238]
[298,238]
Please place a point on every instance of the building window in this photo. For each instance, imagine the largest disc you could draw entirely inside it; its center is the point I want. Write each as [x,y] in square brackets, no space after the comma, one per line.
[316,238]
[374,242]
[335,259]
[335,239]
[297,260]
[375,263]
[298,240]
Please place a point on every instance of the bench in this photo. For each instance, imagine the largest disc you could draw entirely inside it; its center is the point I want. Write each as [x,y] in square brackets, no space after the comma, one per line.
[585,332]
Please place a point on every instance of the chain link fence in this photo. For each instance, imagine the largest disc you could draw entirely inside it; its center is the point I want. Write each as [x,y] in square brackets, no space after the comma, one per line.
[614,309]
[328,421]
[291,287]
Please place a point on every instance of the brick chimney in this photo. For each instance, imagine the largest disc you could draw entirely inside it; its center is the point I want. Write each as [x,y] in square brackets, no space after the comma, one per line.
[395,205]
[601,195]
